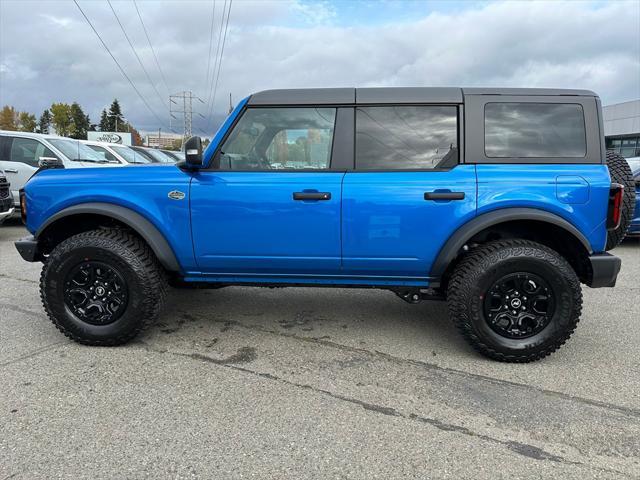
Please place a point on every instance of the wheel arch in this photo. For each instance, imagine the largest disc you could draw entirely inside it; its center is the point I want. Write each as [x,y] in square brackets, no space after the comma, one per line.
[78,217]
[510,220]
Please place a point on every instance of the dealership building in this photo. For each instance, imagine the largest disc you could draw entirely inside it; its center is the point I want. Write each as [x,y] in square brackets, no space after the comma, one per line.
[622,128]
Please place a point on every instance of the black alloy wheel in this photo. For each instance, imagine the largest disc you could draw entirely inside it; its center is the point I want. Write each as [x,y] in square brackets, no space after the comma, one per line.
[519,305]
[96,293]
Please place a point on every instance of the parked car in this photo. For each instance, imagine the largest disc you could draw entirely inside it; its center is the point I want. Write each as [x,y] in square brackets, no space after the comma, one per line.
[6,202]
[175,155]
[117,153]
[634,227]
[501,201]
[154,155]
[21,152]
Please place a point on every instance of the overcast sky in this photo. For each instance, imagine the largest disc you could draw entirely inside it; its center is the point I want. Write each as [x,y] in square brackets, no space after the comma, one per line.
[49,53]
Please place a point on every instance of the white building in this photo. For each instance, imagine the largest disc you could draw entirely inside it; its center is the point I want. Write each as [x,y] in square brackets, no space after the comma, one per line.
[164,140]
[622,127]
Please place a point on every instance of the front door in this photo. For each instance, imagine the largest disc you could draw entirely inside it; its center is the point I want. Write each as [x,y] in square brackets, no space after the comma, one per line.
[407,194]
[269,206]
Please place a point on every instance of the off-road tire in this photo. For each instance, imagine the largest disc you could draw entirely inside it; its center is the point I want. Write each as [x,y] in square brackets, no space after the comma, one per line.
[620,172]
[146,282]
[479,269]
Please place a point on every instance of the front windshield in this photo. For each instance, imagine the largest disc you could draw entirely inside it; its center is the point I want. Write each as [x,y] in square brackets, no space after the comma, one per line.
[106,154]
[159,156]
[77,151]
[173,155]
[130,155]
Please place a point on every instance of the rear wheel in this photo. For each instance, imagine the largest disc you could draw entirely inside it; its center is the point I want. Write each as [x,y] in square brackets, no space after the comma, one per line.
[620,172]
[102,287]
[514,300]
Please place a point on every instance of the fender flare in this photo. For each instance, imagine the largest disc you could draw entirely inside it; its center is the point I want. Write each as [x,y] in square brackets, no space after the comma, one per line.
[132,219]
[452,246]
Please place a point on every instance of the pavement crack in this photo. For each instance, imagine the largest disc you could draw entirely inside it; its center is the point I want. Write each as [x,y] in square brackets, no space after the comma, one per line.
[3,275]
[32,354]
[431,366]
[524,449]
[23,310]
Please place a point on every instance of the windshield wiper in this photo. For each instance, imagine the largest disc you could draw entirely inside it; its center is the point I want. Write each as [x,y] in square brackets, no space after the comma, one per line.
[90,160]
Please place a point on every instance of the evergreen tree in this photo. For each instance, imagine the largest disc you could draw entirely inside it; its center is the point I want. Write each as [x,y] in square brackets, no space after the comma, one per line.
[44,124]
[104,121]
[79,122]
[116,120]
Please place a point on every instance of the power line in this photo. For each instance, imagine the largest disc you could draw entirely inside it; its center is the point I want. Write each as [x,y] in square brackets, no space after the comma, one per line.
[224,41]
[116,62]
[215,62]
[164,80]
[136,54]
[213,17]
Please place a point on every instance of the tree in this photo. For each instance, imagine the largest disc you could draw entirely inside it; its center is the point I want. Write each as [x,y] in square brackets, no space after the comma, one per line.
[8,118]
[116,120]
[44,124]
[136,138]
[61,118]
[104,121]
[26,122]
[80,123]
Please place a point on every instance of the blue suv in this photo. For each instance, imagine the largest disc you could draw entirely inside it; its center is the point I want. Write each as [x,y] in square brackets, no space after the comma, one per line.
[501,201]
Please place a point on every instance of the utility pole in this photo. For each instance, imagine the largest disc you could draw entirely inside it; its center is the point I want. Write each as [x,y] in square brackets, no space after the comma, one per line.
[182,103]
[230,104]
[159,128]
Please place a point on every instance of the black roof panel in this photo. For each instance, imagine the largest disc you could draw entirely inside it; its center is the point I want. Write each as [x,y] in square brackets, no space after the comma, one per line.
[304,96]
[528,91]
[409,95]
[382,95]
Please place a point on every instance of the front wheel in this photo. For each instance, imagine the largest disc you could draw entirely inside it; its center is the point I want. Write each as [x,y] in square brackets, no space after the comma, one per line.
[102,287]
[514,300]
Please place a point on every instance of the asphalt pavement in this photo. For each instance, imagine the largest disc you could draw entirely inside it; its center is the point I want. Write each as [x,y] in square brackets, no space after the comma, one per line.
[313,383]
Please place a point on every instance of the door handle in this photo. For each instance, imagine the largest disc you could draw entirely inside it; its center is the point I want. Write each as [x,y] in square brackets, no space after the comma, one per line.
[10,170]
[312,195]
[444,195]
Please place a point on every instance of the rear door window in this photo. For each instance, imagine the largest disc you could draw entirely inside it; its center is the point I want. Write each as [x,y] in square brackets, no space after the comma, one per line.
[406,137]
[534,130]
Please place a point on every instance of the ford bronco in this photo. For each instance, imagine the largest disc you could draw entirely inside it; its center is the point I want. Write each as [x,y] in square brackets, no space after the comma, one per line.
[501,201]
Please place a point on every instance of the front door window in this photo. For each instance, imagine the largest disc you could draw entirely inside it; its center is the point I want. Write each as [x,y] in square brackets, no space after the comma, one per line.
[280,138]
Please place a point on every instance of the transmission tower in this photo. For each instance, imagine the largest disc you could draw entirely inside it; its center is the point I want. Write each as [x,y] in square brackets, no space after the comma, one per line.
[182,103]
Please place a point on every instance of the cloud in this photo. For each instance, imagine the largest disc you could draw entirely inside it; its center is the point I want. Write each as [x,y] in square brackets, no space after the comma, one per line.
[54,56]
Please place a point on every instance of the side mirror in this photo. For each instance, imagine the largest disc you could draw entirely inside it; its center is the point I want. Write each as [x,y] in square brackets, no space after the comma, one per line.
[193,152]
[46,163]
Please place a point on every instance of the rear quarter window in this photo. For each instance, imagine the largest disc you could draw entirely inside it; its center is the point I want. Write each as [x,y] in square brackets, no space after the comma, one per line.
[534,130]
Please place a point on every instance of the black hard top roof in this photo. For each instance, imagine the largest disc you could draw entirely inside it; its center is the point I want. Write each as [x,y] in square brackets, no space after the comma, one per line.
[382,95]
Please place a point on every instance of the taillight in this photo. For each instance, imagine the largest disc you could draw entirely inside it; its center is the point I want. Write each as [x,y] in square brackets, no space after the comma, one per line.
[614,213]
[23,206]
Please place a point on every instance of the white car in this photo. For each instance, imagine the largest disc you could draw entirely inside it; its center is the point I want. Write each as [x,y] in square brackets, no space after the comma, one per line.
[20,153]
[116,152]
[6,202]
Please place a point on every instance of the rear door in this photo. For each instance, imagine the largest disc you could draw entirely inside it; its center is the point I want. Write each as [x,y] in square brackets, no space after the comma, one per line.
[408,192]
[269,207]
[19,158]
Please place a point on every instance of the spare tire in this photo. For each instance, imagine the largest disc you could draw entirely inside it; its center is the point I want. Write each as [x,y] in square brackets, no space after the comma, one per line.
[620,172]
